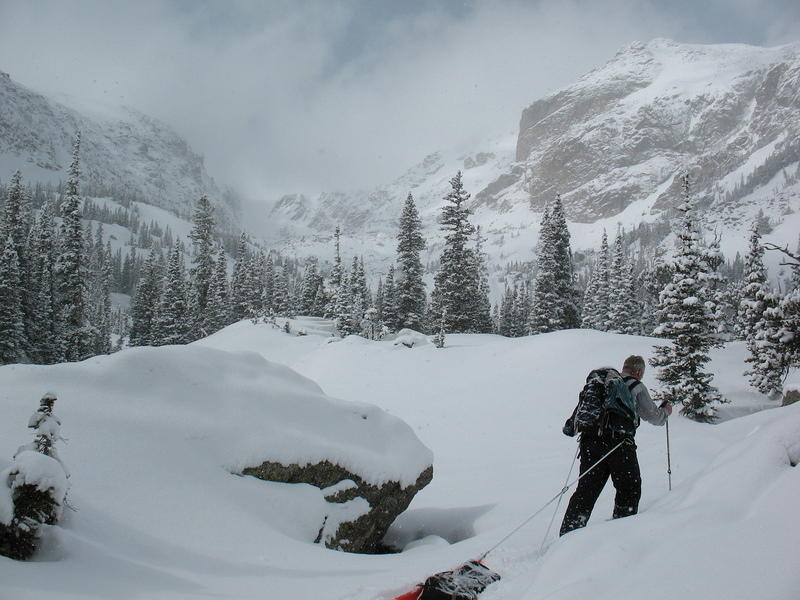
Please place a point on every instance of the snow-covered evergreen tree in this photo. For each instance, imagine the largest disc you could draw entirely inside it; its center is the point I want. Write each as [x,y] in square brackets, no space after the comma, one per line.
[596,298]
[483,306]
[685,314]
[280,298]
[755,286]
[146,300]
[173,320]
[651,282]
[37,485]
[554,304]
[391,311]
[12,332]
[42,326]
[453,294]
[409,287]
[240,282]
[217,307]
[71,271]
[202,237]
[768,355]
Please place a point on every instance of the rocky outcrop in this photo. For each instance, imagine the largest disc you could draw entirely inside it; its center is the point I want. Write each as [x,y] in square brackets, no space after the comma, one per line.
[364,530]
[791,396]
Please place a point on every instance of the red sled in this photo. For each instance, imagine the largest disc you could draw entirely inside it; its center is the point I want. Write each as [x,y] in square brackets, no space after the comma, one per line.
[464,583]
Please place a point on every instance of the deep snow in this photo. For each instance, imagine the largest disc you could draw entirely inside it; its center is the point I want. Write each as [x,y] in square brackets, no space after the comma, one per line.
[152,434]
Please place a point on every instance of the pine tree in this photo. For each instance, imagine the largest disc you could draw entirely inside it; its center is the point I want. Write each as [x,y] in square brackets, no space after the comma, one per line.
[686,312]
[619,305]
[453,294]
[554,296]
[439,338]
[391,317]
[173,321]
[42,323]
[145,305]
[12,332]
[596,299]
[240,284]
[768,356]
[268,290]
[755,286]
[482,319]
[216,313]
[202,236]
[309,287]
[409,287]
[280,299]
[70,270]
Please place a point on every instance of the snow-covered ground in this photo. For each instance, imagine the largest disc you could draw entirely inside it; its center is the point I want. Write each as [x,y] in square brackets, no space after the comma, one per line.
[153,433]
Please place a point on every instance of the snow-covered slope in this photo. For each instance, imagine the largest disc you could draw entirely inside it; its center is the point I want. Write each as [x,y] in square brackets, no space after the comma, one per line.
[121,149]
[159,517]
[613,145]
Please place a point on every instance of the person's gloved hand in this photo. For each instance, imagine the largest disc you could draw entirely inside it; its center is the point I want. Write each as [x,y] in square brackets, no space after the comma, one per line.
[667,406]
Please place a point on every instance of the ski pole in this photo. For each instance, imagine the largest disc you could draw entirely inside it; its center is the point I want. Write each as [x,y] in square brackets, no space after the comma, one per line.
[669,462]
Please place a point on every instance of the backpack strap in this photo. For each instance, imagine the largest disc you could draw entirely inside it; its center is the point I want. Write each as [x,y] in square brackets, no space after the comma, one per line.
[631,382]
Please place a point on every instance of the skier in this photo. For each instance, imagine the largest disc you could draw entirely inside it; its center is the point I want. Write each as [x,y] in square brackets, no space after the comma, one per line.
[621,465]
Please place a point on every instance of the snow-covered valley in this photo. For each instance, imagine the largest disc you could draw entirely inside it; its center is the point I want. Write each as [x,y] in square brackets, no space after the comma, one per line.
[153,434]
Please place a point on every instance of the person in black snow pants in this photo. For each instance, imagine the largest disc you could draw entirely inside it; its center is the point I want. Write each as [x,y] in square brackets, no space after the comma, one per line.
[621,465]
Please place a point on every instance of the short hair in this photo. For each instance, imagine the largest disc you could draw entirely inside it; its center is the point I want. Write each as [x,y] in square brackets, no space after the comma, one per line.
[633,363]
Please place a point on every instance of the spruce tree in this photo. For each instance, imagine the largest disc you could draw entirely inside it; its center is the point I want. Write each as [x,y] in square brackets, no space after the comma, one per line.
[71,272]
[453,294]
[409,287]
[554,295]
[42,322]
[12,332]
[596,298]
[482,319]
[216,313]
[769,357]
[145,305]
[202,237]
[685,314]
[240,282]
[391,316]
[173,321]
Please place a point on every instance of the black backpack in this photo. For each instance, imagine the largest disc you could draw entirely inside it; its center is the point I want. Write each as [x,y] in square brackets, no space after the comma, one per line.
[464,583]
[605,404]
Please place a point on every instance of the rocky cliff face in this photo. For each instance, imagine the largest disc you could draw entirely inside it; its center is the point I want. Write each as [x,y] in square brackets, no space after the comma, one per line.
[730,113]
[121,149]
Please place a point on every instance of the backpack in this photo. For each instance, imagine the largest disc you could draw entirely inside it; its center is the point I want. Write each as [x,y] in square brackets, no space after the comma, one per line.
[606,403]
[464,583]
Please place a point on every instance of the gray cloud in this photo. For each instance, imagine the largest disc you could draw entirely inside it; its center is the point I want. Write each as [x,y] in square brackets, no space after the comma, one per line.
[304,96]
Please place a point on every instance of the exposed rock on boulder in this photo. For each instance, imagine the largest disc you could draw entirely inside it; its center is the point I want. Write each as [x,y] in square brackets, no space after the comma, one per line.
[363,530]
[791,396]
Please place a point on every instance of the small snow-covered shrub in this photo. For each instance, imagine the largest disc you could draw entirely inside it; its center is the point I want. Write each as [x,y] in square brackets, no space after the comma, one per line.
[33,489]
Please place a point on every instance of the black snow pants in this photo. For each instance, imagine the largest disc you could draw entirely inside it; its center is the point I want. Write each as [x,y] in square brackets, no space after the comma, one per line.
[623,468]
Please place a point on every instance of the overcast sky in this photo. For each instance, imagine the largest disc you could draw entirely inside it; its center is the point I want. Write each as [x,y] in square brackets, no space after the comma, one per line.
[284,96]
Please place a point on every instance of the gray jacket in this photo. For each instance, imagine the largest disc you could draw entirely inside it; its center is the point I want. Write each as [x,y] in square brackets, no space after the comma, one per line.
[646,408]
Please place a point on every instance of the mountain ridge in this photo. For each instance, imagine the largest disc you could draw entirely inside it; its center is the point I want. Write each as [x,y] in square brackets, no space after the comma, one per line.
[121,149]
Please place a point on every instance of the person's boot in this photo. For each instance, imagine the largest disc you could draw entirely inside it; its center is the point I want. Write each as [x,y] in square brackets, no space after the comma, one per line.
[624,511]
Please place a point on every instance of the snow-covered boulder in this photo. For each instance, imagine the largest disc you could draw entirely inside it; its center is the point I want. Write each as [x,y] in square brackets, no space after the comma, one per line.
[410,338]
[197,418]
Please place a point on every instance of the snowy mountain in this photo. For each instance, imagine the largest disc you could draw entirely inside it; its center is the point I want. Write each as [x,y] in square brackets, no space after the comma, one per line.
[154,435]
[613,145]
[122,151]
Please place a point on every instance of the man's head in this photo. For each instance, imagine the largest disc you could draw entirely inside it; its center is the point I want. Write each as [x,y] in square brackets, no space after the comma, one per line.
[634,365]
